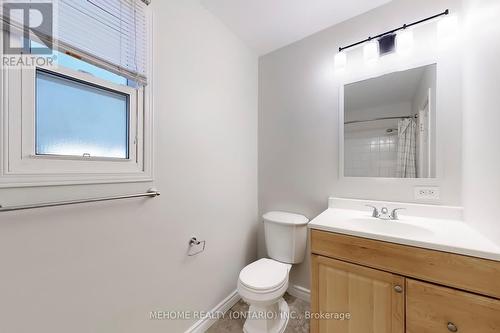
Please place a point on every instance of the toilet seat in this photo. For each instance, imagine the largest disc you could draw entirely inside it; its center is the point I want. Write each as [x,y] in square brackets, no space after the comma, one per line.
[264,276]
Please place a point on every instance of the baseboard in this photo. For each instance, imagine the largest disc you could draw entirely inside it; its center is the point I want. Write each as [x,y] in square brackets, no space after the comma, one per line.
[204,324]
[300,292]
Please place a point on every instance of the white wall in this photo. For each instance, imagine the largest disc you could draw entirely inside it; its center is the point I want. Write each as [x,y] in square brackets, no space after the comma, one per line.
[482,116]
[299,106]
[103,267]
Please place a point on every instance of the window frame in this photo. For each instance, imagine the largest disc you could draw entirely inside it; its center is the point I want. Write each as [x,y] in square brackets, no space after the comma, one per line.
[21,167]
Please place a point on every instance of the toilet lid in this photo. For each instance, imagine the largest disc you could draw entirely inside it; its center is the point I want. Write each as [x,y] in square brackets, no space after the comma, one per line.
[264,274]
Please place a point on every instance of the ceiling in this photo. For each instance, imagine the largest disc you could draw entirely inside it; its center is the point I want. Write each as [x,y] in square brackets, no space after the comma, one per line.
[267,25]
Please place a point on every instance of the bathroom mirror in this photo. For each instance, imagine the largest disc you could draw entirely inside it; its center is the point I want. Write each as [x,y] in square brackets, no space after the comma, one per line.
[390,125]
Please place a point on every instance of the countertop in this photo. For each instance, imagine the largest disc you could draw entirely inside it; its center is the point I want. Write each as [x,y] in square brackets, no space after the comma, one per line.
[447,235]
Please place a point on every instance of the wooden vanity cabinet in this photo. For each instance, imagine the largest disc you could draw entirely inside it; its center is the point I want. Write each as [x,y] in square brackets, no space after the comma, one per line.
[392,288]
[431,308]
[374,300]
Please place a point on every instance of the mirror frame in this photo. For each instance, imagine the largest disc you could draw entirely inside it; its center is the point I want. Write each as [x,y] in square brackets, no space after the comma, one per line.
[434,181]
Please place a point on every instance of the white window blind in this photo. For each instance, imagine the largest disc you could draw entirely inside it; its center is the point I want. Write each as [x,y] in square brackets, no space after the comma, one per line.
[114,31]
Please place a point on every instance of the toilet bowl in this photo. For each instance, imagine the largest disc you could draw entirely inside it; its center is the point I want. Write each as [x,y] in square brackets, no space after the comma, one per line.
[263,283]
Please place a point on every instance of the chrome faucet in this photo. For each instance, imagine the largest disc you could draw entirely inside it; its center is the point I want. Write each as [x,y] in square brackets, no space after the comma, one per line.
[384,213]
[394,214]
[375,212]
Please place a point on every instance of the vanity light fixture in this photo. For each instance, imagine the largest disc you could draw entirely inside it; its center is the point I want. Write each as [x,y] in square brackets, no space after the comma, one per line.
[447,27]
[404,41]
[340,60]
[372,50]
[387,44]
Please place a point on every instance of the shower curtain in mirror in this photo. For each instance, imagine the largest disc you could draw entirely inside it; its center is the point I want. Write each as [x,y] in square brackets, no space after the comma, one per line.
[407,141]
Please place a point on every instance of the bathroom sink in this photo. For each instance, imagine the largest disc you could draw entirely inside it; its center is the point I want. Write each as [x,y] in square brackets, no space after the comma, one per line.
[388,227]
[425,226]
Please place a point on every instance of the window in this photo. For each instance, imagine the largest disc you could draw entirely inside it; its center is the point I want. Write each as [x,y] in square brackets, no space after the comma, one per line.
[87,120]
[74,118]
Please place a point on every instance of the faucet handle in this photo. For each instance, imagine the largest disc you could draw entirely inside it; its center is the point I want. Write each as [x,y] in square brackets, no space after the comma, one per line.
[394,214]
[375,210]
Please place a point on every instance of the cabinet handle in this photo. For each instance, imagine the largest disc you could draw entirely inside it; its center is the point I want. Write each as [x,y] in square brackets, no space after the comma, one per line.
[398,289]
[452,327]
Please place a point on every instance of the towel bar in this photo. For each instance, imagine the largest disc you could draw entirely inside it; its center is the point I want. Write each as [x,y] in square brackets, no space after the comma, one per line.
[152,193]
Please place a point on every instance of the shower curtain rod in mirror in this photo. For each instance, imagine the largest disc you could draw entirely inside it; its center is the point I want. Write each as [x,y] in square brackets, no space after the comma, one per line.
[381,118]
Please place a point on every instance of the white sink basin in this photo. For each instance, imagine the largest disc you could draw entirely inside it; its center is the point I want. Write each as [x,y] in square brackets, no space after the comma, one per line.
[432,233]
[388,227]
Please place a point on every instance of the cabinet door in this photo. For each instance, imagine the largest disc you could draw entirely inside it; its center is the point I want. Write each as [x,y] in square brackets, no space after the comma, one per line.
[434,309]
[373,299]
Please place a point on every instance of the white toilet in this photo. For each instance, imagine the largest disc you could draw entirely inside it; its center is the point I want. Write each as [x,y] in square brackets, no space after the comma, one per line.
[263,283]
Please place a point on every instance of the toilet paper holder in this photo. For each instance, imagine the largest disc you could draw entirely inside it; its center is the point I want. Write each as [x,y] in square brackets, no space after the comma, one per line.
[194,242]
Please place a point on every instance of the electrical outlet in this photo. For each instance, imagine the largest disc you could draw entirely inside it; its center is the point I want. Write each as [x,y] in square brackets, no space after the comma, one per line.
[427,193]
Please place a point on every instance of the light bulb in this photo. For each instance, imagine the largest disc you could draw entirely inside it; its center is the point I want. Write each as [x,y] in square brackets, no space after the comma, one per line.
[340,60]
[404,41]
[370,52]
[447,27]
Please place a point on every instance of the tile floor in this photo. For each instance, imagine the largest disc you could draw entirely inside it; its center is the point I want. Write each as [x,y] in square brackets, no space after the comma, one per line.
[235,324]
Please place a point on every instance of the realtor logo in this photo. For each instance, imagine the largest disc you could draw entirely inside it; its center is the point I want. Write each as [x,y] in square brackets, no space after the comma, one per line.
[28,34]
[27,19]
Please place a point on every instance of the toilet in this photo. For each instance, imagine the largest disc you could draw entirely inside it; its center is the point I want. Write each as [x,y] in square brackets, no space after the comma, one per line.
[263,283]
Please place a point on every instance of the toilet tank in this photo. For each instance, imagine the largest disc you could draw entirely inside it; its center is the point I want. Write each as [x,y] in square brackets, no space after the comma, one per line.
[286,236]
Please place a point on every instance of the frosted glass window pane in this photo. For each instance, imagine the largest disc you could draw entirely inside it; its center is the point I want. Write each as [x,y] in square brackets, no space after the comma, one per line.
[78,119]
